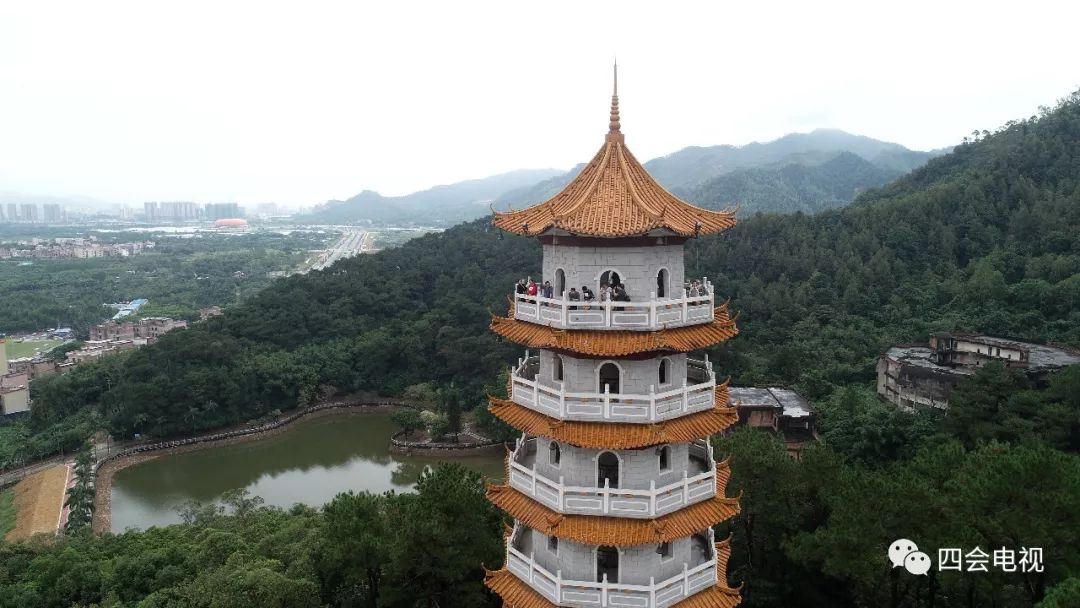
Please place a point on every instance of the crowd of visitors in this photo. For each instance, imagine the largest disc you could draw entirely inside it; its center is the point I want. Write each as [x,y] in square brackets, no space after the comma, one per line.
[613,292]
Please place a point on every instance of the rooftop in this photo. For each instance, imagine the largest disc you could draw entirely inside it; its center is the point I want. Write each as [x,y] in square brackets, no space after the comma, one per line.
[793,404]
[614,196]
[618,343]
[1041,357]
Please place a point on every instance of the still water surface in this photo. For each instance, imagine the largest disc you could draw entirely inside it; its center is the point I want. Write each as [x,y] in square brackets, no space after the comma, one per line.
[311,462]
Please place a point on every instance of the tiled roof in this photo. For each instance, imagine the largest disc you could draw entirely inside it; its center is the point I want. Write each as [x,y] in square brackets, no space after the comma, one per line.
[614,196]
[618,435]
[515,593]
[613,531]
[603,343]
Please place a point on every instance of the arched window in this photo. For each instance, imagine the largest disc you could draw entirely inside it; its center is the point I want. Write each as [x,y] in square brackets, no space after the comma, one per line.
[553,544]
[609,378]
[556,369]
[607,470]
[661,283]
[607,564]
[664,455]
[560,282]
[700,546]
[554,454]
[664,372]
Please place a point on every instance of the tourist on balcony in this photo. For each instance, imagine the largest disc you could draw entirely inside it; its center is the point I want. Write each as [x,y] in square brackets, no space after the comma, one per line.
[573,296]
[587,294]
[605,293]
[520,287]
[532,288]
[548,290]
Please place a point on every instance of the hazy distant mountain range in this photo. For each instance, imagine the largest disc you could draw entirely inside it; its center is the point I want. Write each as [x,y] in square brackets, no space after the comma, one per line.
[441,205]
[798,172]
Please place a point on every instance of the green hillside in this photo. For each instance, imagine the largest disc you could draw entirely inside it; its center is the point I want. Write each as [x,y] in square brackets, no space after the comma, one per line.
[806,185]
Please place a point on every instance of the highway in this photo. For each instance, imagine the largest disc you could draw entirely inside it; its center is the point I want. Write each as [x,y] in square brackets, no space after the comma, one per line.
[353,242]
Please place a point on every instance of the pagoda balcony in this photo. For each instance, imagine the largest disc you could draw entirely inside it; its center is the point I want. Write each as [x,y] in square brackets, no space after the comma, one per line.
[698,574]
[698,483]
[696,394]
[647,315]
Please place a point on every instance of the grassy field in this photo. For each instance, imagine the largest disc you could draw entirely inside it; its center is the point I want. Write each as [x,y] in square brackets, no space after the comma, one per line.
[7,511]
[18,350]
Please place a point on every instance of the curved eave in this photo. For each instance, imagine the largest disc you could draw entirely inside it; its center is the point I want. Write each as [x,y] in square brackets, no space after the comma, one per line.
[515,593]
[613,531]
[621,343]
[614,196]
[618,435]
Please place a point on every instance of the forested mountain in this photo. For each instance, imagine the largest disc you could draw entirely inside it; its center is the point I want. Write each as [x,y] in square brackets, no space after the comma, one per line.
[441,205]
[798,172]
[693,166]
[982,239]
[804,184]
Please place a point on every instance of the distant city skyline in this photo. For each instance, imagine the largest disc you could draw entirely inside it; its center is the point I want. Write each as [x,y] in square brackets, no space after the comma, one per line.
[131,102]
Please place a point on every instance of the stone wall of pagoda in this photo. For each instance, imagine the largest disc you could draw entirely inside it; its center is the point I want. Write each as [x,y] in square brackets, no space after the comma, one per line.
[639,562]
[637,267]
[582,375]
[637,468]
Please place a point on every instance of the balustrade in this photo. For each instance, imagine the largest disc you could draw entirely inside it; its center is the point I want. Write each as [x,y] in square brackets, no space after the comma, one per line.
[555,401]
[605,500]
[650,315]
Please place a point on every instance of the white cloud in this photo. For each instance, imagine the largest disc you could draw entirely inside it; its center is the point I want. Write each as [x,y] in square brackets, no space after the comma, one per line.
[300,102]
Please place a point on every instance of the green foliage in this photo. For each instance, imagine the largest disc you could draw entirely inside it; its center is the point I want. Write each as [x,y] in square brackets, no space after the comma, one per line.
[7,511]
[408,419]
[858,425]
[80,497]
[996,404]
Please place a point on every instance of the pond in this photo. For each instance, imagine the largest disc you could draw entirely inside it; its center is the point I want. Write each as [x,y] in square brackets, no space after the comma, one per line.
[310,462]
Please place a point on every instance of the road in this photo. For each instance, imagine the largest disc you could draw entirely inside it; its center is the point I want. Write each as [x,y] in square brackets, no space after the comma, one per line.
[353,242]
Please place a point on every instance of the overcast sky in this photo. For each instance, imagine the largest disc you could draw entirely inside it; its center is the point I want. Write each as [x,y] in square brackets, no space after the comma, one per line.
[306,101]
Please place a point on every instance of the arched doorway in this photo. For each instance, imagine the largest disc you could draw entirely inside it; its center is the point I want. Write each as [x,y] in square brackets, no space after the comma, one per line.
[609,377]
[661,283]
[607,564]
[607,470]
[610,277]
[663,373]
[557,369]
[560,283]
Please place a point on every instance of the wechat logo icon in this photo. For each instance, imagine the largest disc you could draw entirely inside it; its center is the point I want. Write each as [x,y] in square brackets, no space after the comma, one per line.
[903,552]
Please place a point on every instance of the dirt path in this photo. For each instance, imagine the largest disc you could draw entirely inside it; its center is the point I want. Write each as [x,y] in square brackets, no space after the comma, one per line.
[39,501]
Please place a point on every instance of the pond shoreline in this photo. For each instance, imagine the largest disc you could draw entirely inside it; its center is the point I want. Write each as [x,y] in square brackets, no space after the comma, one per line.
[106,470]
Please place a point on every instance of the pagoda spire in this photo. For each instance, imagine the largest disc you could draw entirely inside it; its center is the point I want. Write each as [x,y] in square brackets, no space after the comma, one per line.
[613,126]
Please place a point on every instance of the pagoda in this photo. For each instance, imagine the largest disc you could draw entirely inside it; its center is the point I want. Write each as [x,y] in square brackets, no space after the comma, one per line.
[613,485]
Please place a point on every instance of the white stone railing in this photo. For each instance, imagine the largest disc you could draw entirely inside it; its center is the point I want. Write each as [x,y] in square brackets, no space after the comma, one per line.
[652,314]
[604,594]
[618,502]
[526,390]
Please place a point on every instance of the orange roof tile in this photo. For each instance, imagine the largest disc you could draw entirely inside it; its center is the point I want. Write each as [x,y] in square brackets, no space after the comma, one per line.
[618,435]
[613,531]
[515,593]
[618,343]
[614,196]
